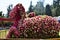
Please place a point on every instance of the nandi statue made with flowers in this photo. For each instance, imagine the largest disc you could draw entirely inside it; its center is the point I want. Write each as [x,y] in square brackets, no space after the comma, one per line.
[31,27]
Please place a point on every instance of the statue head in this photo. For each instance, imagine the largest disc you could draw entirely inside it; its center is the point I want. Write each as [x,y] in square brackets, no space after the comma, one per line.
[17,11]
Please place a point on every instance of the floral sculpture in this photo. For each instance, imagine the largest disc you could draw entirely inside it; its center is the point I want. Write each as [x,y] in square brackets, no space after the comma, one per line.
[31,27]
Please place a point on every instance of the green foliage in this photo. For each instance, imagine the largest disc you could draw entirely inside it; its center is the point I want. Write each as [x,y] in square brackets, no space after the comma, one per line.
[48,10]
[31,7]
[58,12]
[56,5]
[9,9]
[0,13]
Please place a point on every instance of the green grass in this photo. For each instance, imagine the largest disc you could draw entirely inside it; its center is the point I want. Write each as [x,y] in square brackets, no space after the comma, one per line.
[3,33]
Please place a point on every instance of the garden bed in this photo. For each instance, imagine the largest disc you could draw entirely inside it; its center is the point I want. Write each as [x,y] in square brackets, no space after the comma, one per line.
[3,34]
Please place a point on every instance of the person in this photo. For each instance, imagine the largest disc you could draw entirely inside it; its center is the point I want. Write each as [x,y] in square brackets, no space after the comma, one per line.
[17,14]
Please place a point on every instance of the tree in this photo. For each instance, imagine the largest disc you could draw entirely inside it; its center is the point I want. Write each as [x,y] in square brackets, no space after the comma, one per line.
[9,9]
[48,10]
[58,8]
[0,13]
[31,7]
[39,8]
[56,4]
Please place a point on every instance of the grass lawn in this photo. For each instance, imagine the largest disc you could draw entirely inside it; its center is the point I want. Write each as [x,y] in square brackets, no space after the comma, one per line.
[3,33]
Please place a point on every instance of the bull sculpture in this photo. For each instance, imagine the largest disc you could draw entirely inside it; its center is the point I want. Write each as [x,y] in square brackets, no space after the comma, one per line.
[32,26]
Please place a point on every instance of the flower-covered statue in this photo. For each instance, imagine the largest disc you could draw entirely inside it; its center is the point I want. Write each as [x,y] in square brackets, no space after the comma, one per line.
[32,26]
[17,14]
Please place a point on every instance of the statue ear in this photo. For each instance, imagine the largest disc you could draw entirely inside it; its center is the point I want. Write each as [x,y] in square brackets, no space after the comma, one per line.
[11,14]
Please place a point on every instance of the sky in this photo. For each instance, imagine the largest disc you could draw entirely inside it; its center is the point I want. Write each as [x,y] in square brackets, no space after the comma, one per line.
[26,3]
